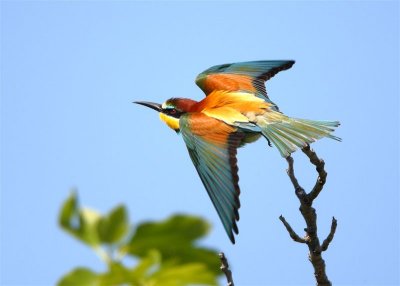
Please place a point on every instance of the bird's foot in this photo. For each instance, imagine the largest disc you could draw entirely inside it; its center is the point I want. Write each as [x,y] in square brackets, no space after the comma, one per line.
[269,142]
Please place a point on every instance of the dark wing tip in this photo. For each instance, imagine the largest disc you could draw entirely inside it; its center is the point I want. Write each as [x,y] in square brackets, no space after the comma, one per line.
[272,72]
[235,231]
[235,228]
[235,139]
[232,238]
[290,64]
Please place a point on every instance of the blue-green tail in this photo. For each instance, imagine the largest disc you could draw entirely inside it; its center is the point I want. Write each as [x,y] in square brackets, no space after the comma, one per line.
[289,134]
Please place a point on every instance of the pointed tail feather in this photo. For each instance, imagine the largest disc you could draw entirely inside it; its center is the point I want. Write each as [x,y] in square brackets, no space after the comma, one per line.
[288,134]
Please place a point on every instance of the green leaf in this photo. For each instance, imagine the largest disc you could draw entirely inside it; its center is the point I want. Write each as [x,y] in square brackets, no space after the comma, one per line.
[81,223]
[175,239]
[146,264]
[114,226]
[178,230]
[167,250]
[68,213]
[117,275]
[182,275]
[152,271]
[206,256]
[79,277]
[89,220]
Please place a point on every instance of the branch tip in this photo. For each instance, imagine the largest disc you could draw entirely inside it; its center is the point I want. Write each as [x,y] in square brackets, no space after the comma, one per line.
[225,268]
[291,232]
[330,236]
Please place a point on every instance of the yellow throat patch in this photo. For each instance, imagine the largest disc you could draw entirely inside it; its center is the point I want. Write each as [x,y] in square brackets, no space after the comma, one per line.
[172,122]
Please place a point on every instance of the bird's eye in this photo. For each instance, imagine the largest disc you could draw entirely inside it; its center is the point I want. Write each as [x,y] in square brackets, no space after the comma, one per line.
[172,111]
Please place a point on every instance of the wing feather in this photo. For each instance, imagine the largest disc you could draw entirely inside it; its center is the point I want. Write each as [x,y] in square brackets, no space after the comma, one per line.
[212,146]
[244,76]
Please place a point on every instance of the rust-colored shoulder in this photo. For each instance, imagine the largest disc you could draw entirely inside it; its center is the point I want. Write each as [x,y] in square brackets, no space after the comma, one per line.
[212,130]
[228,82]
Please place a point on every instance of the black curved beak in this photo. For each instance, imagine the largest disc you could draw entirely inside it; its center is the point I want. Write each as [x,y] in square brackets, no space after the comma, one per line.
[152,105]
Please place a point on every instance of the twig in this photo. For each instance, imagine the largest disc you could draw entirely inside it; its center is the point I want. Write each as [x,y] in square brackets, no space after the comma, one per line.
[310,216]
[225,268]
[329,238]
[291,232]
[319,164]
[300,193]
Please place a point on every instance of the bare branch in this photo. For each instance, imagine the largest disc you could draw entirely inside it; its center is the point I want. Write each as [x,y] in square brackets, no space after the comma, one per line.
[329,238]
[320,165]
[310,216]
[225,268]
[291,232]
[300,193]
[290,172]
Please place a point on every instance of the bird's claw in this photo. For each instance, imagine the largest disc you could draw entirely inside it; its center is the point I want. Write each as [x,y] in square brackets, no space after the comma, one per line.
[269,142]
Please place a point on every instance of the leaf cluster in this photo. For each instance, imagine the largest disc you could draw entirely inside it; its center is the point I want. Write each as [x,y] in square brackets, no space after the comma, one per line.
[165,252]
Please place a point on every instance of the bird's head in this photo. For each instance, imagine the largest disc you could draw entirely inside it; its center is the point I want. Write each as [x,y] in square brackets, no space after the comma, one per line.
[171,110]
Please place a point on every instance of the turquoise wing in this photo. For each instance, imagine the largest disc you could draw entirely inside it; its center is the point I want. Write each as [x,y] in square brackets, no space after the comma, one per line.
[212,146]
[245,76]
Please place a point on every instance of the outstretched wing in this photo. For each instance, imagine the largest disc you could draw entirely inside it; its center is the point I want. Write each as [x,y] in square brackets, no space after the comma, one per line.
[244,76]
[212,146]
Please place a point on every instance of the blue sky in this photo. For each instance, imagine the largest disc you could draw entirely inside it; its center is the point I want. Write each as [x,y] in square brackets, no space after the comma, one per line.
[70,70]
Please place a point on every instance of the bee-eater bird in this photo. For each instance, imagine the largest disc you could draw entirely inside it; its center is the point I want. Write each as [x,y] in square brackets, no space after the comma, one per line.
[235,111]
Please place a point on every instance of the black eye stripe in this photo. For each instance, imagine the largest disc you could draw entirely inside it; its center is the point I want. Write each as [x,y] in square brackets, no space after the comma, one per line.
[172,112]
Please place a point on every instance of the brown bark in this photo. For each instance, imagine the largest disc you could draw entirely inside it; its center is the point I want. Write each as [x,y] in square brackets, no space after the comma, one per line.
[310,216]
[225,268]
